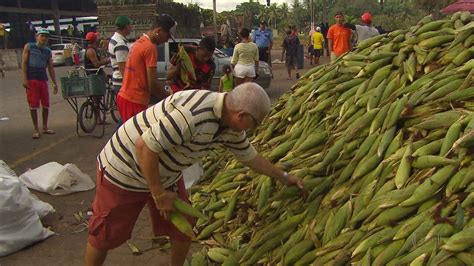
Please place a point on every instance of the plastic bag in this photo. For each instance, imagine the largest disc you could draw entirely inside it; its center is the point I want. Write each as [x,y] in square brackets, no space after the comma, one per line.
[56,179]
[192,174]
[41,207]
[20,225]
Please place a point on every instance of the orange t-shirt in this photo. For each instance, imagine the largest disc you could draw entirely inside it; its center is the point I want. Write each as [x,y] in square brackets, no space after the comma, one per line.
[143,55]
[340,37]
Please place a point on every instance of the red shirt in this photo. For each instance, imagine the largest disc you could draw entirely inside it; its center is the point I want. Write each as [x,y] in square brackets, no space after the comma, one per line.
[204,73]
[143,55]
[340,37]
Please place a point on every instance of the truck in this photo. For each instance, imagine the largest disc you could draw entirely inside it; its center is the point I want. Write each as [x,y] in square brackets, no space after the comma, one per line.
[143,14]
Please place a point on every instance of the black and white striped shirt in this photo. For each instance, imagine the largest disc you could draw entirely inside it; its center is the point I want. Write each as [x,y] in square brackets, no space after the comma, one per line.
[182,129]
[118,51]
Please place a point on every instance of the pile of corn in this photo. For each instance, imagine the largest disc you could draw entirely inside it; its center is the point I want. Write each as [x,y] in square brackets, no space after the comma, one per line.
[383,139]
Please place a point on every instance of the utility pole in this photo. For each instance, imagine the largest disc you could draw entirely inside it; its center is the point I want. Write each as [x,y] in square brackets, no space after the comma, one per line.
[215,20]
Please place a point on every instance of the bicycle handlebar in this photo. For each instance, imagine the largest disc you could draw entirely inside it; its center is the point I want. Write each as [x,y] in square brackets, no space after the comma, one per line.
[91,69]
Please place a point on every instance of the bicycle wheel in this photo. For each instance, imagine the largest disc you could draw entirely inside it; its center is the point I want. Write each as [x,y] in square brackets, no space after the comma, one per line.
[87,116]
[113,108]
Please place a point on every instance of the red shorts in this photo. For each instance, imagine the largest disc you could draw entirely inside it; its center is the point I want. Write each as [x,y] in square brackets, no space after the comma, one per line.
[127,109]
[116,210]
[37,92]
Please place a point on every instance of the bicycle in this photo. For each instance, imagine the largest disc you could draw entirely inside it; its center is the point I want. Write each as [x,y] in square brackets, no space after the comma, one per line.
[100,98]
[101,105]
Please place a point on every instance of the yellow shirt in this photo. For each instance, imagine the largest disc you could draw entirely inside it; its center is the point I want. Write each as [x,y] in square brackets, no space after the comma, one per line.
[317,39]
[245,54]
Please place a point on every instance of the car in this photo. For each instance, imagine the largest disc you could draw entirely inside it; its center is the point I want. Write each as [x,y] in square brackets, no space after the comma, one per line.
[57,53]
[168,49]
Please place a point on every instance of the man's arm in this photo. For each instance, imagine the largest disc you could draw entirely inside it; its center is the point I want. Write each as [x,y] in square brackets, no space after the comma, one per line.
[283,50]
[52,75]
[24,64]
[153,85]
[92,55]
[349,40]
[121,67]
[173,67]
[350,26]
[121,55]
[330,36]
[149,166]
[264,167]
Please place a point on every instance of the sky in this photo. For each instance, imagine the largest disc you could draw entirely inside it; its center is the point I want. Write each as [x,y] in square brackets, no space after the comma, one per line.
[223,5]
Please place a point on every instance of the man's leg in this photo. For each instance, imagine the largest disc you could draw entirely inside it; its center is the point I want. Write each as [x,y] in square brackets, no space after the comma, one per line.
[263,54]
[179,242]
[114,213]
[45,114]
[32,96]
[94,257]
[44,98]
[288,64]
[317,54]
[295,65]
[34,118]
[179,250]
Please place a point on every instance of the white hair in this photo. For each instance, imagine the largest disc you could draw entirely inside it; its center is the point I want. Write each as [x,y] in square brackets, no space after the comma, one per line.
[251,98]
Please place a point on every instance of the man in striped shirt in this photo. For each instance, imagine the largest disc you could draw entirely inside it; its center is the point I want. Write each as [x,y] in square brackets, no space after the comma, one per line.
[118,50]
[143,160]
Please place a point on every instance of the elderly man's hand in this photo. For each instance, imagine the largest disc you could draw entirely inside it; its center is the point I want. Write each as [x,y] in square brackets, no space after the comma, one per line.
[295,181]
[164,202]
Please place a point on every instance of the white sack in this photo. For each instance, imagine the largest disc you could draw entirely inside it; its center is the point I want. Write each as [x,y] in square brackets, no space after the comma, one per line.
[41,207]
[192,174]
[20,224]
[56,179]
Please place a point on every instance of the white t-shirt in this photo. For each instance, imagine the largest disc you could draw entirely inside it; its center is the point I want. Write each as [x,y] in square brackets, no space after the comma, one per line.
[118,51]
[365,32]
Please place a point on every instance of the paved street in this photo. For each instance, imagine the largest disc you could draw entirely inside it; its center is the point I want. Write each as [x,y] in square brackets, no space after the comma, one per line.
[21,152]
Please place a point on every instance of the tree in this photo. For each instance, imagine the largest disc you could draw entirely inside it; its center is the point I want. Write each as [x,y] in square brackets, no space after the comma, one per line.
[273,14]
[299,14]
[251,10]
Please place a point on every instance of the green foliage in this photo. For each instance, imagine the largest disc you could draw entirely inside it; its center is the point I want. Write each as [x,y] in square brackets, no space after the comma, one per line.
[250,9]
[390,14]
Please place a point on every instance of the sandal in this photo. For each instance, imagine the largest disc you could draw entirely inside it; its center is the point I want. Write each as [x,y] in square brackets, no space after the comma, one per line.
[36,135]
[49,132]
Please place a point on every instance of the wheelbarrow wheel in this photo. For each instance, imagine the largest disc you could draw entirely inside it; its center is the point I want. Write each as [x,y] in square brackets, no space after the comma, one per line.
[87,116]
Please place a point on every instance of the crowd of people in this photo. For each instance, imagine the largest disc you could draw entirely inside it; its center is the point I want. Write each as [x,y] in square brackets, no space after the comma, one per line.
[257,45]
[142,163]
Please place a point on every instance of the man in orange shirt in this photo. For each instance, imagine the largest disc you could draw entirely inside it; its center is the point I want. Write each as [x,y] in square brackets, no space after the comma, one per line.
[140,78]
[339,37]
